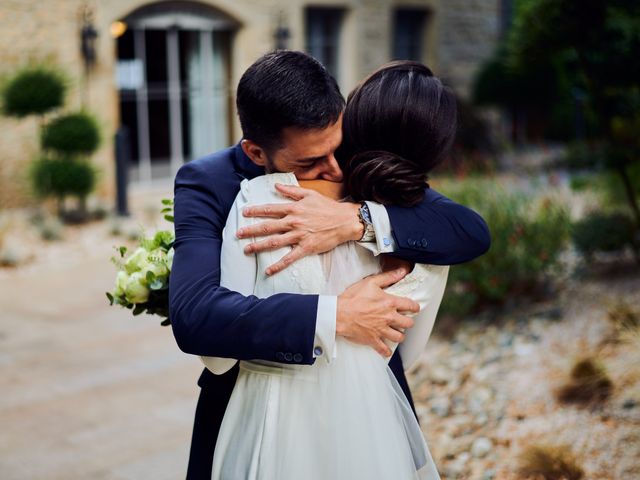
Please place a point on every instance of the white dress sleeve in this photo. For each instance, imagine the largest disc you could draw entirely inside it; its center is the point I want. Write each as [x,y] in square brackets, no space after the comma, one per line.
[425,285]
[237,270]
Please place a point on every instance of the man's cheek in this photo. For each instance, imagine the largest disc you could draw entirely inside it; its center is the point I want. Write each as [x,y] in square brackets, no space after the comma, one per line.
[304,174]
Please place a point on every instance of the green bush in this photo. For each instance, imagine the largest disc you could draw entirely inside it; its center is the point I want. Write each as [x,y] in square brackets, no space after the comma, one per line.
[603,232]
[62,177]
[527,236]
[33,91]
[75,133]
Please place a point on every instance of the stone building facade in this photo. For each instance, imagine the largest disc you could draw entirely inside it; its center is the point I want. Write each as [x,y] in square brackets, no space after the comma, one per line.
[156,64]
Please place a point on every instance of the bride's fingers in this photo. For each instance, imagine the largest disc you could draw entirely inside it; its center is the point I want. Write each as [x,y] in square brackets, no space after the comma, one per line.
[273,243]
[295,254]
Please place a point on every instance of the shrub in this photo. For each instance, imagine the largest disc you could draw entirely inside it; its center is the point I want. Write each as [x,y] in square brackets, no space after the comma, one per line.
[588,382]
[528,234]
[33,91]
[75,133]
[604,232]
[550,462]
[62,177]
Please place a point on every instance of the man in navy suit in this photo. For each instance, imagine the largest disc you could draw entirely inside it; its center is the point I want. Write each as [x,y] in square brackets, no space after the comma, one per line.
[290,111]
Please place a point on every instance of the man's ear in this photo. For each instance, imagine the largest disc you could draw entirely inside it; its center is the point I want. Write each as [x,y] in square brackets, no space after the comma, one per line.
[255,152]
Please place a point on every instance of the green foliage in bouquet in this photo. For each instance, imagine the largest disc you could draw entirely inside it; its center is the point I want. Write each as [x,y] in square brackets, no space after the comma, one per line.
[72,134]
[142,281]
[527,236]
[34,90]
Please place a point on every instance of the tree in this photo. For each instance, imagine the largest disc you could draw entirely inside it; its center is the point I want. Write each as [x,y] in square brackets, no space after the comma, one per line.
[600,41]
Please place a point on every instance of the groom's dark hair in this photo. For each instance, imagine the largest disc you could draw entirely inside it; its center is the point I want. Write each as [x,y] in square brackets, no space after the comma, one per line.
[283,89]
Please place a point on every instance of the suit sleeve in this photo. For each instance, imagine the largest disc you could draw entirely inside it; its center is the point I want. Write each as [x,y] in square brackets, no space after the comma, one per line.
[210,320]
[438,231]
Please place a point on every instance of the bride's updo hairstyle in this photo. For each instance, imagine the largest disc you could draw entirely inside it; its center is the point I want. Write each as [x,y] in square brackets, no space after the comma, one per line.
[398,125]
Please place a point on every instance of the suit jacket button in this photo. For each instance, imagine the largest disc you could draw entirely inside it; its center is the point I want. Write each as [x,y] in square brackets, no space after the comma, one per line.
[288,357]
[424,243]
[318,351]
[279,356]
[297,358]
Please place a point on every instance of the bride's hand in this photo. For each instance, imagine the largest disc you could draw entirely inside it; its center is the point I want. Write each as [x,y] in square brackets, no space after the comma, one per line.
[312,224]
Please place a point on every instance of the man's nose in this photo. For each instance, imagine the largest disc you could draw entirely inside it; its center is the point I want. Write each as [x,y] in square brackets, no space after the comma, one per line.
[331,170]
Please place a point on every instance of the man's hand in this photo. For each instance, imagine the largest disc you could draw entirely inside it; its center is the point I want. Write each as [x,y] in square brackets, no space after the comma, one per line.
[312,224]
[367,315]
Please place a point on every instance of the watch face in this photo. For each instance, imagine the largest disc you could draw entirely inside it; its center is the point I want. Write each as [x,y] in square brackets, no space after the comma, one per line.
[364,211]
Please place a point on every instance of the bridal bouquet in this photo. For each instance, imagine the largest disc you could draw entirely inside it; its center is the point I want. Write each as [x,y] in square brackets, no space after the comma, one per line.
[142,281]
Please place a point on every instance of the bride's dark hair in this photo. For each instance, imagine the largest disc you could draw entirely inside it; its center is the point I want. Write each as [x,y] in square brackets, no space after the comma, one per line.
[398,125]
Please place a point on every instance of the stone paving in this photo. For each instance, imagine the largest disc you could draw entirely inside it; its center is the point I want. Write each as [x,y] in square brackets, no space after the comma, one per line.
[88,391]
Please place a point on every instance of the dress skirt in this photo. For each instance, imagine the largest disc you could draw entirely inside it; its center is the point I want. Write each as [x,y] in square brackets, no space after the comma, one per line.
[344,420]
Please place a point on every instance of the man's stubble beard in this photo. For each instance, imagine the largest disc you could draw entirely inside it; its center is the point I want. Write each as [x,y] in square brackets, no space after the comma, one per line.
[270,165]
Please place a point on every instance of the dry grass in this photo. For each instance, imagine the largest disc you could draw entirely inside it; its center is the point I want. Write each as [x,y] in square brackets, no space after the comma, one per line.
[549,462]
[623,316]
[588,382]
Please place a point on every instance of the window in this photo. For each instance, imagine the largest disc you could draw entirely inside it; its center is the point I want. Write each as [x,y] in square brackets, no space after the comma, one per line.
[173,81]
[323,27]
[408,34]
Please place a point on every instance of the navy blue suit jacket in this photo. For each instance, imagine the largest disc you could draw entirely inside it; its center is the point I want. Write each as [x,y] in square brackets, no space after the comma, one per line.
[208,319]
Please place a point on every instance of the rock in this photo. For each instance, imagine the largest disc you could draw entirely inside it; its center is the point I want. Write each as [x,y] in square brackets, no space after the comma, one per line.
[489,475]
[457,467]
[441,406]
[459,405]
[478,399]
[481,419]
[506,340]
[629,404]
[439,375]
[523,349]
[481,446]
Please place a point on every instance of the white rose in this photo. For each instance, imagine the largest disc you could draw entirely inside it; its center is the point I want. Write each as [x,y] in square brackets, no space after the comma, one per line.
[136,289]
[170,258]
[157,263]
[121,283]
[136,260]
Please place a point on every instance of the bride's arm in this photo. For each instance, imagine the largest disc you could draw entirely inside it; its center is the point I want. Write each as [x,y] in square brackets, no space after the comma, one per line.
[237,270]
[425,285]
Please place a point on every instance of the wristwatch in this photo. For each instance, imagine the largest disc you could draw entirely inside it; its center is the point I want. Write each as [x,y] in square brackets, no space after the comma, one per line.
[364,216]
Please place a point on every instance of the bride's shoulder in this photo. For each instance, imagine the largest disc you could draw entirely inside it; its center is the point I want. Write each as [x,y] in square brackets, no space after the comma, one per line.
[262,188]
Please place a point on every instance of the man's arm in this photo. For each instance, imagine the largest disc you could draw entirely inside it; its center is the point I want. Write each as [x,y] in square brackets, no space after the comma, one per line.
[210,320]
[436,231]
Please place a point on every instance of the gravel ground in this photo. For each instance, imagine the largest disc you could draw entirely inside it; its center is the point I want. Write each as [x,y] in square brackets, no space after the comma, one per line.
[485,392]
[484,387]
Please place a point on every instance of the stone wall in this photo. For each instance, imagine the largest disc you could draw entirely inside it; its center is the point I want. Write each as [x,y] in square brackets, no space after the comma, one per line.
[460,33]
[468,32]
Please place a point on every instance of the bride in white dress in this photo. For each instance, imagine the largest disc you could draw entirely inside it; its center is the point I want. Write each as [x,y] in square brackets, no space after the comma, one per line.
[347,419]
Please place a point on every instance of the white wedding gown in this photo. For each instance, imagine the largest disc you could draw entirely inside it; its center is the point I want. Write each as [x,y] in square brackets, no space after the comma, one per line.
[343,420]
